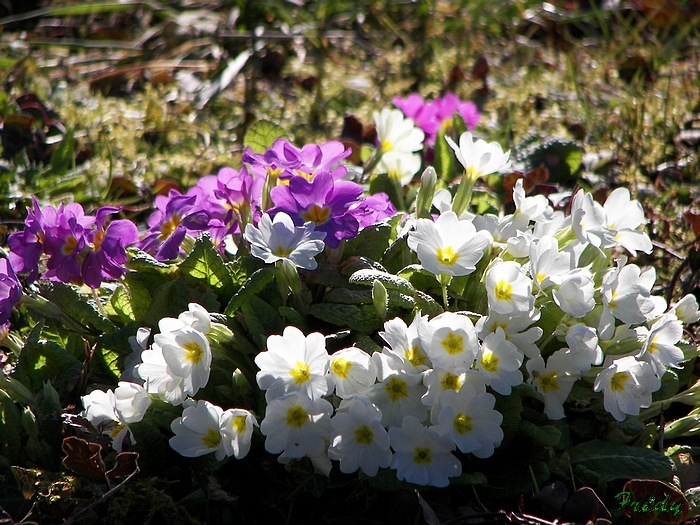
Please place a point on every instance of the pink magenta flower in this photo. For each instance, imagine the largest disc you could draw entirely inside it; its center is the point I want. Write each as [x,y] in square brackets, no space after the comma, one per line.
[432,116]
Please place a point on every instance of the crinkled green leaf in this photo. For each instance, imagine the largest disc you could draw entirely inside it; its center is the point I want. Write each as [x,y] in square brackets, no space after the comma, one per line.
[427,305]
[141,261]
[10,428]
[172,298]
[362,318]
[293,317]
[261,135]
[42,361]
[205,265]
[122,304]
[255,284]
[372,242]
[262,319]
[544,435]
[74,305]
[327,275]
[382,183]
[612,460]
[392,282]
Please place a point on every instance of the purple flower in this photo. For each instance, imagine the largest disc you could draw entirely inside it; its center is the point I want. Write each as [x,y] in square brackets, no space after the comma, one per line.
[176,215]
[65,236]
[324,201]
[432,116]
[373,210]
[10,290]
[26,246]
[107,244]
[284,160]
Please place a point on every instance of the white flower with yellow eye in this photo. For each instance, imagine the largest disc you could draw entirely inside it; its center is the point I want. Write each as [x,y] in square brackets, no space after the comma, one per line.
[294,363]
[188,355]
[395,132]
[479,157]
[659,349]
[687,309]
[448,245]
[450,341]
[574,294]
[405,343]
[627,385]
[509,289]
[553,381]
[583,350]
[237,430]
[353,372]
[198,431]
[515,328]
[499,362]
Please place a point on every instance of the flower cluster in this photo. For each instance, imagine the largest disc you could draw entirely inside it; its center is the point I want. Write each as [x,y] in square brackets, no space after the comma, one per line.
[80,248]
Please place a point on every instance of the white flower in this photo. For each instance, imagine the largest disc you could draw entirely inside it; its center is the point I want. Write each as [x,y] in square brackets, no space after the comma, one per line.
[469,419]
[396,132]
[359,441]
[198,431]
[405,343]
[158,378]
[588,221]
[554,381]
[294,363]
[196,317]
[627,385]
[398,394]
[624,216]
[438,381]
[574,294]
[659,349]
[687,309]
[583,346]
[535,208]
[400,165]
[450,341]
[547,264]
[280,239]
[447,246]
[131,401]
[421,455]
[297,426]
[514,327]
[499,362]
[138,343]
[188,355]
[237,430]
[480,157]
[101,411]
[354,372]
[509,289]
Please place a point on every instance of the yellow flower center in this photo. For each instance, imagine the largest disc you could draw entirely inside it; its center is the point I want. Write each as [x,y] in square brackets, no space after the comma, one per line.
[503,291]
[316,214]
[281,251]
[489,362]
[453,344]
[472,173]
[396,388]
[548,382]
[415,356]
[364,435]
[168,227]
[300,373]
[447,256]
[97,241]
[194,352]
[115,431]
[451,382]
[462,424]
[212,438]
[386,146]
[618,380]
[69,246]
[341,366]
[239,424]
[422,456]
[297,417]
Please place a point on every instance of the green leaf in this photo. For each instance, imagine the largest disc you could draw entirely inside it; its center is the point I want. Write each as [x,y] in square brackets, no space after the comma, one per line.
[391,282]
[471,478]
[10,428]
[255,284]
[444,158]
[74,305]
[372,242]
[141,261]
[42,361]
[544,435]
[262,319]
[511,407]
[63,155]
[562,158]
[459,124]
[204,264]
[293,317]
[172,298]
[427,305]
[612,460]
[362,318]
[382,183]
[261,135]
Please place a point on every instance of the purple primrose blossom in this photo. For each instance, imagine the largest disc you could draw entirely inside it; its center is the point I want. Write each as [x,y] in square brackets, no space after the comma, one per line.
[10,290]
[438,114]
[65,237]
[324,201]
[26,246]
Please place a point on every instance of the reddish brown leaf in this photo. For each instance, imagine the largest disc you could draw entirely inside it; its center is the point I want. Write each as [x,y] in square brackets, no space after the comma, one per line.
[693,219]
[480,69]
[124,466]
[583,506]
[83,458]
[650,501]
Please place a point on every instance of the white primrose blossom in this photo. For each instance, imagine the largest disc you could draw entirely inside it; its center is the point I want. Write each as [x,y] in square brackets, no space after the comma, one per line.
[659,348]
[627,385]
[583,349]
[548,266]
[574,293]
[353,371]
[187,353]
[447,246]
[515,328]
[395,132]
[237,431]
[499,362]
[421,455]
[479,157]
[553,381]
[687,309]
[274,240]
[294,362]
[198,431]
[405,343]
[400,165]
[623,217]
[450,341]
[509,289]
[359,441]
